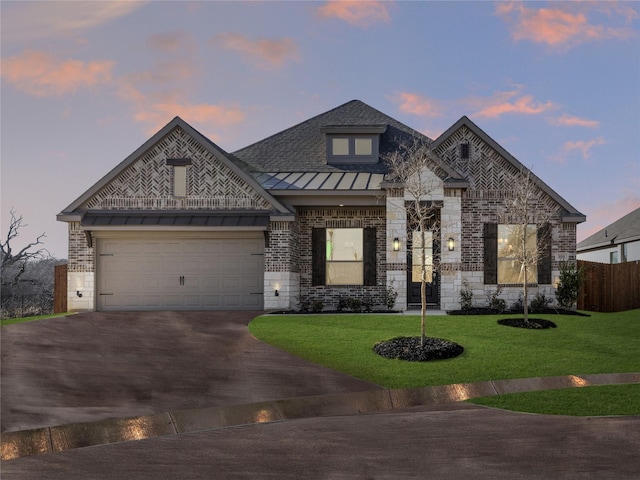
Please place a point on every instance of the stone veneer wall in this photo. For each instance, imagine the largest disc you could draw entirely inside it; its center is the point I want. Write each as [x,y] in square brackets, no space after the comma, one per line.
[342,217]
[397,261]
[281,266]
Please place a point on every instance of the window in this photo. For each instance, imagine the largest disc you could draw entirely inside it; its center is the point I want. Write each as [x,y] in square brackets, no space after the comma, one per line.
[179,175]
[343,256]
[364,146]
[510,240]
[180,181]
[340,146]
[613,257]
[353,143]
[500,263]
[464,151]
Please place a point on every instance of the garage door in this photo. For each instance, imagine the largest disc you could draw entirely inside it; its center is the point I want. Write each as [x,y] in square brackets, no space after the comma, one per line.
[155,273]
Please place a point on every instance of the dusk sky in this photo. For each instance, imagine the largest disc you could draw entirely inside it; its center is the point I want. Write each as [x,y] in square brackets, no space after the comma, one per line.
[84,84]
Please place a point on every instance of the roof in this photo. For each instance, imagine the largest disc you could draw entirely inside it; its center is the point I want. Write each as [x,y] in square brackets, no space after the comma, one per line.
[571,214]
[181,218]
[320,180]
[623,230]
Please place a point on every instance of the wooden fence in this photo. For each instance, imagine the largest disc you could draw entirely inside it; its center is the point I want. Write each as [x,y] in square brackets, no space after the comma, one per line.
[60,288]
[609,287]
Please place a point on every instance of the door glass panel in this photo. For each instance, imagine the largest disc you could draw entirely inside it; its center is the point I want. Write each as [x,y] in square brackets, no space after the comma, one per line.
[420,257]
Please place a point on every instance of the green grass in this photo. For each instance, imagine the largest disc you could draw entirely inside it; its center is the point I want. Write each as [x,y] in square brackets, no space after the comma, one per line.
[11,321]
[602,343]
[584,401]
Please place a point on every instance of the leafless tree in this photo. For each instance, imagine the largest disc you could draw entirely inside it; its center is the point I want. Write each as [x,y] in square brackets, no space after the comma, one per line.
[411,166]
[16,262]
[529,235]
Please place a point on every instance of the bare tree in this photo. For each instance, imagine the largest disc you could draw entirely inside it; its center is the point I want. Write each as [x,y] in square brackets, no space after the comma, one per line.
[528,232]
[15,263]
[411,166]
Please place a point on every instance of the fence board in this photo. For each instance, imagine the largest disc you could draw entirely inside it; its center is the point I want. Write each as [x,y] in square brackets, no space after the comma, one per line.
[60,289]
[609,287]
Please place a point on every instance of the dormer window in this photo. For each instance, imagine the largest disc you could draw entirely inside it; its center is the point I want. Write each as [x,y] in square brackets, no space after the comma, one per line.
[353,144]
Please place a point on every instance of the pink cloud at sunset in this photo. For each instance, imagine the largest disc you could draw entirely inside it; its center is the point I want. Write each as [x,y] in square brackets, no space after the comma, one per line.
[41,74]
[559,27]
[416,104]
[263,52]
[582,146]
[509,102]
[358,13]
[570,121]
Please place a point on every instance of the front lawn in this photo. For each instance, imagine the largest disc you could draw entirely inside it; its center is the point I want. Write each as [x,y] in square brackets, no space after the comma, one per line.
[11,321]
[601,343]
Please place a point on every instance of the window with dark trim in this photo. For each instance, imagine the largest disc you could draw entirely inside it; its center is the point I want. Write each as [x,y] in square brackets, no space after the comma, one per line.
[343,256]
[500,266]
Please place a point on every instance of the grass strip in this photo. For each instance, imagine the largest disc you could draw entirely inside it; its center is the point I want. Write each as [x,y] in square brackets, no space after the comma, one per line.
[12,321]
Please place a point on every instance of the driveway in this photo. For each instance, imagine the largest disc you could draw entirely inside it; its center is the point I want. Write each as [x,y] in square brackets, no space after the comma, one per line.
[93,366]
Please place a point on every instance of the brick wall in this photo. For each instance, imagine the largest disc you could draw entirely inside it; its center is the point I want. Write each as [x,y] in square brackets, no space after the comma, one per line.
[341,217]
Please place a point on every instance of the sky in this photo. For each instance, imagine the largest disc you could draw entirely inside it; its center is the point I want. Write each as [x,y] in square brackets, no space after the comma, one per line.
[85,83]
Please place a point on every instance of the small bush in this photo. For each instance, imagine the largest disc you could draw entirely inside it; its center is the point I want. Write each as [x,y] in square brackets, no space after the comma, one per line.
[571,279]
[466,296]
[390,297]
[540,303]
[317,306]
[354,304]
[343,304]
[496,303]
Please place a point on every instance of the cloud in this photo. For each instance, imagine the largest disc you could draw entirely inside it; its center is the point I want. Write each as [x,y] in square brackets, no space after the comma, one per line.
[29,21]
[584,147]
[561,27]
[358,13]
[161,92]
[264,52]
[416,104]
[570,121]
[509,102]
[41,74]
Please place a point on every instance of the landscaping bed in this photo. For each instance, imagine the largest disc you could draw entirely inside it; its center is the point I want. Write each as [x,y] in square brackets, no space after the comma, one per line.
[410,349]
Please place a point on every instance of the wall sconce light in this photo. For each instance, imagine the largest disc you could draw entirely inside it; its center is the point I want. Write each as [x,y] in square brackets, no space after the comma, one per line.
[396,244]
[277,293]
[451,244]
[78,293]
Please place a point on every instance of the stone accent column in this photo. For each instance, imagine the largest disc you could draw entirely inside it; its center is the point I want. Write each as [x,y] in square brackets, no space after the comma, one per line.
[80,271]
[451,227]
[397,261]
[281,266]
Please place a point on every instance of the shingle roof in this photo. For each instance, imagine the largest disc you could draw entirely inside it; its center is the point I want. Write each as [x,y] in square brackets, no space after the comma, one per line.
[625,229]
[301,148]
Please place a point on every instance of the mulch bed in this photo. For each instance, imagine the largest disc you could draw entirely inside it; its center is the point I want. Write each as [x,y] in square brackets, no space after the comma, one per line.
[409,349]
[533,323]
[493,311]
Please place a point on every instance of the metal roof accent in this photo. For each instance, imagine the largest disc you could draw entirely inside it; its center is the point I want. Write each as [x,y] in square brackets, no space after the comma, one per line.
[320,180]
[137,218]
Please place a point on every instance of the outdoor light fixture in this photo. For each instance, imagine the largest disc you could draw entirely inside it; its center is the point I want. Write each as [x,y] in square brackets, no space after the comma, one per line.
[451,244]
[277,293]
[396,244]
[78,293]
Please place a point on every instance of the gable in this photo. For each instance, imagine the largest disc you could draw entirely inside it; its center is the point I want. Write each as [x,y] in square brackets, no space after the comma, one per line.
[488,167]
[145,180]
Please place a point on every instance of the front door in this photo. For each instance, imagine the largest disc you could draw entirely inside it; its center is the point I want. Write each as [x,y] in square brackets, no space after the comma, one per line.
[420,263]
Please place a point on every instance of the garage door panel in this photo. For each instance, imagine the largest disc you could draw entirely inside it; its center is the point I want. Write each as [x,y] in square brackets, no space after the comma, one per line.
[146,273]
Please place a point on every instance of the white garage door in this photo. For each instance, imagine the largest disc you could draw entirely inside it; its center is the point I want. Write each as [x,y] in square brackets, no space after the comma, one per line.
[154,273]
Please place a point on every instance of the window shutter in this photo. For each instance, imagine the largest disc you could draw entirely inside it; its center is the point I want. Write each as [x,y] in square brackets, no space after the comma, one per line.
[318,256]
[369,254]
[544,261]
[490,253]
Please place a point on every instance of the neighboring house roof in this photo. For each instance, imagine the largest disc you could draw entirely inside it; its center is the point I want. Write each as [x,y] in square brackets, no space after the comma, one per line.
[571,214]
[75,209]
[623,230]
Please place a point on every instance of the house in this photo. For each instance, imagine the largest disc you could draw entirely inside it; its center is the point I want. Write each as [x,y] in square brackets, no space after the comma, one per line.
[306,214]
[615,243]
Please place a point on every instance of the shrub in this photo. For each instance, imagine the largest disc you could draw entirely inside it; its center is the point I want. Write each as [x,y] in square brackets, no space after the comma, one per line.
[571,279]
[354,304]
[343,303]
[496,303]
[317,306]
[540,303]
[466,296]
[390,297]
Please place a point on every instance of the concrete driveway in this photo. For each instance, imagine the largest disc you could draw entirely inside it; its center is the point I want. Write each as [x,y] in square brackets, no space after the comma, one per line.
[93,366]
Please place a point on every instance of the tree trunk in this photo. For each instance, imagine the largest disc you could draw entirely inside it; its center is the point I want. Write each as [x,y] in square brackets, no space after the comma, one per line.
[525,267]
[423,291]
